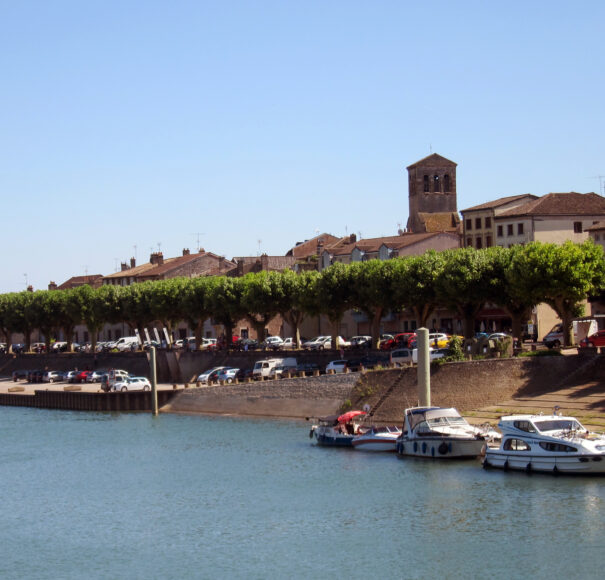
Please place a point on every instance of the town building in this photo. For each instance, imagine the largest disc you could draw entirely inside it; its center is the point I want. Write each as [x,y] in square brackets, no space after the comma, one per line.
[479,222]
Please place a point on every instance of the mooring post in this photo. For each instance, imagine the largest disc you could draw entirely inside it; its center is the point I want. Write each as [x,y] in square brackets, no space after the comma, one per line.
[154,383]
[424,368]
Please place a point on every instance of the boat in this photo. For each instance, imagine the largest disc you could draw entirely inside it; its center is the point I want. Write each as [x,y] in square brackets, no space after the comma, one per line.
[441,433]
[337,430]
[383,438]
[547,443]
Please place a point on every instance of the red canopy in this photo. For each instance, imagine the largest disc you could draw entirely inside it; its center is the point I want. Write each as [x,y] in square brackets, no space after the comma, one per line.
[349,415]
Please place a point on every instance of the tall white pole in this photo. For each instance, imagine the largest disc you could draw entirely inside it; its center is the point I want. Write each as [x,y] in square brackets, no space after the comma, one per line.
[154,383]
[424,367]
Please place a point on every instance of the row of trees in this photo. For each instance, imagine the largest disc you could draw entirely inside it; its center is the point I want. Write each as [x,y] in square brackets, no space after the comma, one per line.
[464,281]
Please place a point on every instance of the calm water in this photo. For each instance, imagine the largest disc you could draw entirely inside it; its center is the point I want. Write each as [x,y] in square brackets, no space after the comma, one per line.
[129,496]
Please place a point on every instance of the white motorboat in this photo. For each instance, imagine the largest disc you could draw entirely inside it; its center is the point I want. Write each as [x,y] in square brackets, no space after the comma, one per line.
[441,433]
[337,430]
[547,443]
[377,438]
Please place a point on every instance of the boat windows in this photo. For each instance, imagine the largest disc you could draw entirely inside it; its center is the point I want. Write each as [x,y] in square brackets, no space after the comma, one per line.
[559,425]
[516,445]
[525,426]
[557,447]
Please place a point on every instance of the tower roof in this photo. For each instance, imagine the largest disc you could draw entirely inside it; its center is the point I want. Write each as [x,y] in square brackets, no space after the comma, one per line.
[433,160]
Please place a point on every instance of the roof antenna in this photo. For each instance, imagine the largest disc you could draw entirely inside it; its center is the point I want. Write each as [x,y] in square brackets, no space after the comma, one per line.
[431,147]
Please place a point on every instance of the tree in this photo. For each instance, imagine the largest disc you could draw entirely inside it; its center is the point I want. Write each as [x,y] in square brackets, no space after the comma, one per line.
[135,304]
[165,300]
[560,275]
[225,301]
[466,282]
[416,286]
[373,285]
[333,296]
[99,307]
[262,299]
[45,311]
[298,290]
[195,304]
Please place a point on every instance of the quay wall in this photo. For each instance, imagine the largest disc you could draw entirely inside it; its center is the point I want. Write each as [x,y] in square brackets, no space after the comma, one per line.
[466,385]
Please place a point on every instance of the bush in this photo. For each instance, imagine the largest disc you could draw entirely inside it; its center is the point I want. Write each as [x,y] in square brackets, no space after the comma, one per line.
[456,349]
[553,352]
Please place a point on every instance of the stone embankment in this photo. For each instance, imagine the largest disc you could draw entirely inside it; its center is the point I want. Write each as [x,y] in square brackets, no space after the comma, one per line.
[477,388]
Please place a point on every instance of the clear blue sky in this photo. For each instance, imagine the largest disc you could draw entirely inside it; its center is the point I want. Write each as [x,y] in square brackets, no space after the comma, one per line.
[139,123]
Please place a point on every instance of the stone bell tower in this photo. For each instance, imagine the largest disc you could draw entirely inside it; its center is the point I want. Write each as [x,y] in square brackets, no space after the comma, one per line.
[432,195]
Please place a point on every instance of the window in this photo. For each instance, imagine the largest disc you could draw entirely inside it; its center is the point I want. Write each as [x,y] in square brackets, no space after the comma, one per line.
[446,182]
[469,242]
[577,227]
[519,229]
[488,222]
[509,229]
[426,183]
[557,447]
[478,223]
[597,237]
[479,243]
[488,241]
[469,224]
[516,445]
[500,232]
[524,426]
[436,184]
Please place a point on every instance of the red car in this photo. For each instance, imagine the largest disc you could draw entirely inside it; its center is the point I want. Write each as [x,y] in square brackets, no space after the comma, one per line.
[597,339]
[81,376]
[400,340]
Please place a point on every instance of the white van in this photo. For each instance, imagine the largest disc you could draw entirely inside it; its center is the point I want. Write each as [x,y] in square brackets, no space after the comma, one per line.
[127,343]
[262,368]
[581,329]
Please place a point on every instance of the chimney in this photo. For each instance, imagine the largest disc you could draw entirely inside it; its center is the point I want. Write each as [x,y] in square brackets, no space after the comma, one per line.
[133,262]
[123,266]
[186,251]
[352,238]
[52,286]
[157,258]
[221,263]
[264,262]
[30,288]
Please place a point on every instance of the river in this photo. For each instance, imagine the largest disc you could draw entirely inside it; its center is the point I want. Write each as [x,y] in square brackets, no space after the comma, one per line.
[89,495]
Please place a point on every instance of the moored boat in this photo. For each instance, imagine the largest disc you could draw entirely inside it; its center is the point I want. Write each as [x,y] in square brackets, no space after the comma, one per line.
[548,444]
[441,433]
[337,430]
[375,438]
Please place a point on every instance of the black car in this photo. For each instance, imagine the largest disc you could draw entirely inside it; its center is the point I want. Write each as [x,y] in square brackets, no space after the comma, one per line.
[368,362]
[19,375]
[307,367]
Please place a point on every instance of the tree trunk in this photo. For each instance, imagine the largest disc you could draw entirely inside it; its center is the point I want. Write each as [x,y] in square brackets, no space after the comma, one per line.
[422,314]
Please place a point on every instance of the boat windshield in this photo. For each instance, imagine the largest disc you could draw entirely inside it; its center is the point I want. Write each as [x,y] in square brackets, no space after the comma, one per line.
[447,422]
[558,425]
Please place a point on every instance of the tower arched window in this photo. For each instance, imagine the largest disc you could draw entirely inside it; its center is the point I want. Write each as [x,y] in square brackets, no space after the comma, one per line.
[446,183]
[436,184]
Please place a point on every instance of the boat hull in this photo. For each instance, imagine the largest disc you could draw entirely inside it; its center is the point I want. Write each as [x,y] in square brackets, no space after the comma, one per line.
[557,463]
[374,444]
[441,447]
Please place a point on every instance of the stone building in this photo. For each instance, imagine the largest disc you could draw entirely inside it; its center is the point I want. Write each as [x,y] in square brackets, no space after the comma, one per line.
[432,195]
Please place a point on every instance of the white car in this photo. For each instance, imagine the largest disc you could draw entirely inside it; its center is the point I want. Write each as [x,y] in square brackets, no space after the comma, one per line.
[273,342]
[132,384]
[336,366]
[289,343]
[317,343]
[53,376]
[210,374]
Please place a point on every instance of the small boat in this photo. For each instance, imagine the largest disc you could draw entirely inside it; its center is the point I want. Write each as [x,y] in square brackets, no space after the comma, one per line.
[442,433]
[377,438]
[337,430]
[547,443]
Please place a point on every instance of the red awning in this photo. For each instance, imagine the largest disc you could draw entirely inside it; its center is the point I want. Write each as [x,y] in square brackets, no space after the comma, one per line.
[349,415]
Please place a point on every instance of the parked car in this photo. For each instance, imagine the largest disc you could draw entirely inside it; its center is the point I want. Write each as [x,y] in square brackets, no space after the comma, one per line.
[597,339]
[400,340]
[337,366]
[53,376]
[279,371]
[307,367]
[95,376]
[38,347]
[363,341]
[247,344]
[316,343]
[499,336]
[35,376]
[70,375]
[127,343]
[368,362]
[210,375]
[342,343]
[132,384]
[384,338]
[22,374]
[289,343]
[272,342]
[81,376]
[227,375]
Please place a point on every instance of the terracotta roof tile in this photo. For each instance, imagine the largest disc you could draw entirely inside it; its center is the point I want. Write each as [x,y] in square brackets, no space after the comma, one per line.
[571,203]
[434,157]
[501,201]
[440,222]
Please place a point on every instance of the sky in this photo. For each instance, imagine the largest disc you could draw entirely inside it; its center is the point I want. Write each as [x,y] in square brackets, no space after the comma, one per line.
[245,127]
